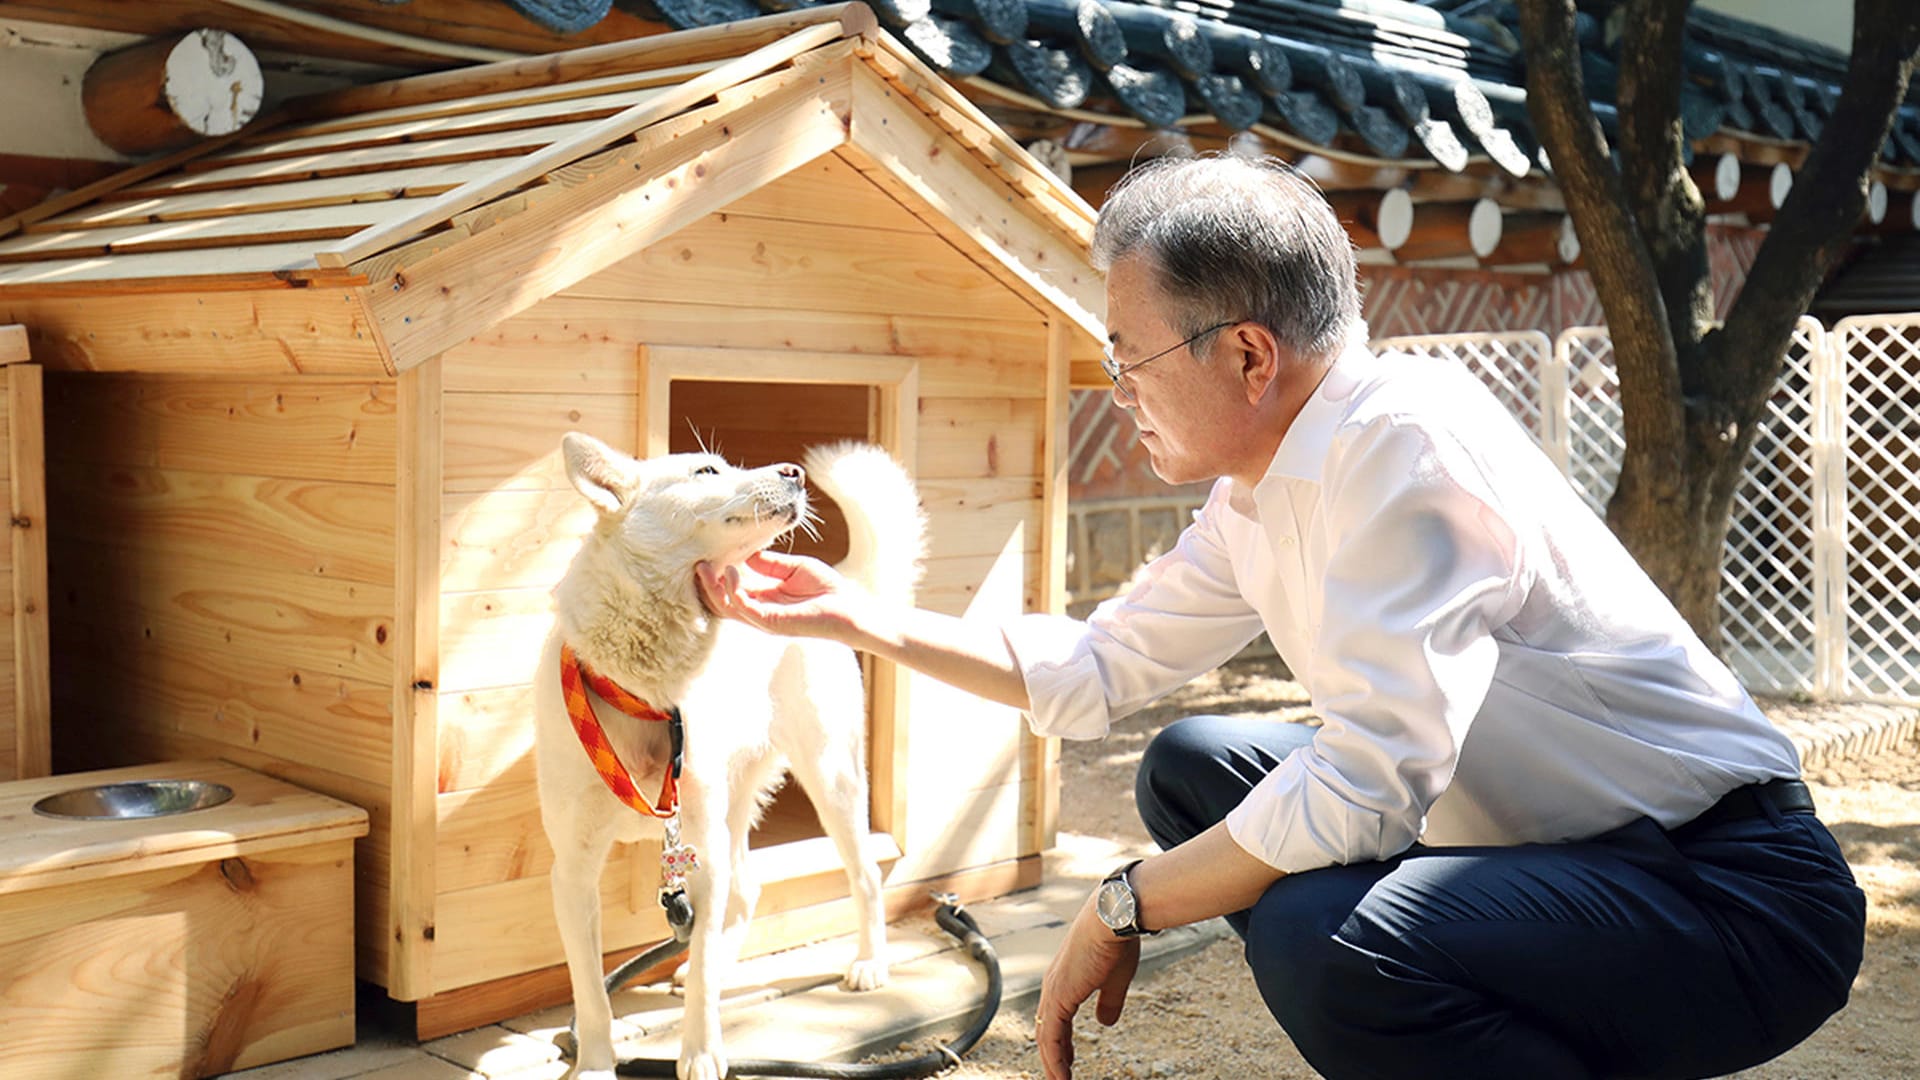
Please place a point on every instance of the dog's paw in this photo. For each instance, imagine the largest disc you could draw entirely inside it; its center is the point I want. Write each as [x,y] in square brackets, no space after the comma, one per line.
[705,1065]
[594,1074]
[679,985]
[865,975]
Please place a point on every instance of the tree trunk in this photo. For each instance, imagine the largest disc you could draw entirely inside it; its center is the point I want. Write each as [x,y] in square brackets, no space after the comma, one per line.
[1693,396]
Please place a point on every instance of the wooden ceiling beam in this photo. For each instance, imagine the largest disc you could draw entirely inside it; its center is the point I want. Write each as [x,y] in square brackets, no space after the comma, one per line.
[1535,239]
[1760,194]
[1449,231]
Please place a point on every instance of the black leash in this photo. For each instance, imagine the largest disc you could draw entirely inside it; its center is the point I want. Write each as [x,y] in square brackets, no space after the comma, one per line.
[952,918]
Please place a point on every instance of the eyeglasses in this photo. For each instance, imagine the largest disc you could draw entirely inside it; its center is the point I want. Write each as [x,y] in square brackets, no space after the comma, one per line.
[1114,369]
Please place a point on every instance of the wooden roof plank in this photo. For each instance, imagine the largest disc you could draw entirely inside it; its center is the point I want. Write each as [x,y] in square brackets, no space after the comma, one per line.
[282,226]
[259,259]
[371,159]
[418,130]
[81,196]
[331,191]
[482,103]
[578,230]
[506,177]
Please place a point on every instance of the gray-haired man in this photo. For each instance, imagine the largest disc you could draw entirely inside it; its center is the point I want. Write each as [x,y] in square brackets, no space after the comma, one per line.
[1541,830]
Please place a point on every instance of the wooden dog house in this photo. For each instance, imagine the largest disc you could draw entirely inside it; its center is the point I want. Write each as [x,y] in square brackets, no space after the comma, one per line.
[307,385]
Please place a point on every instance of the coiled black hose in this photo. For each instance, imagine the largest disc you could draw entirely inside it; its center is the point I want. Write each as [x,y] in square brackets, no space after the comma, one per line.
[952,918]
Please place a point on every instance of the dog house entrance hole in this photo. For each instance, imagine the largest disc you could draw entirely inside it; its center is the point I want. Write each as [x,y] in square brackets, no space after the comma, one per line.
[764,423]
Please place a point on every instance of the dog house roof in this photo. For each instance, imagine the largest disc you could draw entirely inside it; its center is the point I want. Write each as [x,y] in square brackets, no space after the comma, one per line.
[368,229]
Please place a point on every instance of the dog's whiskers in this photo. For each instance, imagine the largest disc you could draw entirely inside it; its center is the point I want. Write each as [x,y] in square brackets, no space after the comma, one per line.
[808,524]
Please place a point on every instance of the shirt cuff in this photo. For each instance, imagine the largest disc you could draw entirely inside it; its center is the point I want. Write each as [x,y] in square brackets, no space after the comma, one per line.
[1293,823]
[1064,691]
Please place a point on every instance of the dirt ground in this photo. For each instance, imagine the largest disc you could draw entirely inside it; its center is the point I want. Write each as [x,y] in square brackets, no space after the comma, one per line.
[1202,1017]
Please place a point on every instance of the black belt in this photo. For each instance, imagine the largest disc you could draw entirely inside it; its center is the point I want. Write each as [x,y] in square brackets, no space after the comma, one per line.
[1785,796]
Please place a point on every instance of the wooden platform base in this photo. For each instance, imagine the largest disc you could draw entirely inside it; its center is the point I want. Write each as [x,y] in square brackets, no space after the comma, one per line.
[473,1006]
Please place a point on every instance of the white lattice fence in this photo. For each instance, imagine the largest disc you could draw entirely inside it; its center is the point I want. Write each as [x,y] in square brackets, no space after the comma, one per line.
[1774,579]
[1770,591]
[1595,440]
[1821,593]
[1876,505]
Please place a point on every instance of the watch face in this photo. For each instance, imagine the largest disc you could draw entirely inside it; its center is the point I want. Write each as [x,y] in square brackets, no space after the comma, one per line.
[1114,905]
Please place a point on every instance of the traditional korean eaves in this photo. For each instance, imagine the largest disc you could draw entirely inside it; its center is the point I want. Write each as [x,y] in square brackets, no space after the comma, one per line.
[434,204]
[1435,85]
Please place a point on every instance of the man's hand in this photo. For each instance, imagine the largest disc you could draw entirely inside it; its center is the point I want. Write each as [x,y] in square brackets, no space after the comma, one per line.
[783,594]
[1091,959]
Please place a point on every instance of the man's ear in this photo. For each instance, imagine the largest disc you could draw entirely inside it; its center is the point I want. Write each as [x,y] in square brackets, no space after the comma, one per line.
[597,471]
[1260,358]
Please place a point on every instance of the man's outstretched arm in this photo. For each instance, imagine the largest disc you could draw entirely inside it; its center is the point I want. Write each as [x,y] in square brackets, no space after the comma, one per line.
[802,597]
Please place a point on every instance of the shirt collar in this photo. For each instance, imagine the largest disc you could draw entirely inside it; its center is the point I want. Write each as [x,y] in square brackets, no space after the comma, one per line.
[1303,449]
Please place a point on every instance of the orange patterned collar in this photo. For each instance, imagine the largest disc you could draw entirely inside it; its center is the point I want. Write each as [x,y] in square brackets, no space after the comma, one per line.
[575,679]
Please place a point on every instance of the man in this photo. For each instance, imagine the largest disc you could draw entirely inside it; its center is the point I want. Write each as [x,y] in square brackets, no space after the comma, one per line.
[1540,832]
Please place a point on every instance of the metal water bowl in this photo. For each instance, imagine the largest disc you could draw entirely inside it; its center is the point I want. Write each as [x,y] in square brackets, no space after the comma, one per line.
[137,799]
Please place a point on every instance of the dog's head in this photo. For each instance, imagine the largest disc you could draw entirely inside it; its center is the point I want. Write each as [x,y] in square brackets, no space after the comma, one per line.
[665,514]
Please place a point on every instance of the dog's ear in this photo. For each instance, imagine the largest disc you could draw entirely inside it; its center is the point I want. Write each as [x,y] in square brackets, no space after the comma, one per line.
[597,470]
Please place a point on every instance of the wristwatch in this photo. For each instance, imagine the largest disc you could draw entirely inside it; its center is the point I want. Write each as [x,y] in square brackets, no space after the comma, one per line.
[1118,905]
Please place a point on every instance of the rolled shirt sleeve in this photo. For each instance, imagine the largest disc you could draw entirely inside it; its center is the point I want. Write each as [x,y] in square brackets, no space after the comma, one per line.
[1420,567]
[1183,616]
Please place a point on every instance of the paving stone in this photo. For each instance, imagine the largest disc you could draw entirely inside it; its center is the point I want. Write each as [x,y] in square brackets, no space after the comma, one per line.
[422,1067]
[494,1050]
[373,1050]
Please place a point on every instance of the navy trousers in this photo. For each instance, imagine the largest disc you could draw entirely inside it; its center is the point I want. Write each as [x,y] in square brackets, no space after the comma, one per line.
[1639,953]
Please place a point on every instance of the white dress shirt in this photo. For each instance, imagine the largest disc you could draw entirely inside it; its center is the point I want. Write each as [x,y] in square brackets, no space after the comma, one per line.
[1490,665]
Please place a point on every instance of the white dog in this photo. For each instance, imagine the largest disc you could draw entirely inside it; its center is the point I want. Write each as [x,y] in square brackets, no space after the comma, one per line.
[753,704]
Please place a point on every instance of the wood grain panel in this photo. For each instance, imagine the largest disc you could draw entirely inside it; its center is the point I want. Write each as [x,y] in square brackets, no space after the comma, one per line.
[490,835]
[258,703]
[492,639]
[330,530]
[952,830]
[808,266]
[310,429]
[978,438]
[233,611]
[511,442]
[251,956]
[267,332]
[990,586]
[25,698]
[828,191]
[100,745]
[508,928]
[416,694]
[592,359]
[537,346]
[510,539]
[486,737]
[990,529]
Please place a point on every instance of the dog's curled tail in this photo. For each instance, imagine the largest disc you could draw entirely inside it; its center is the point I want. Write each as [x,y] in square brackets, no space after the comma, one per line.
[886,530]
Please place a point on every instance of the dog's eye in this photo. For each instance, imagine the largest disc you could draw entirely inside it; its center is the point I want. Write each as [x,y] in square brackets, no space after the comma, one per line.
[706,470]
